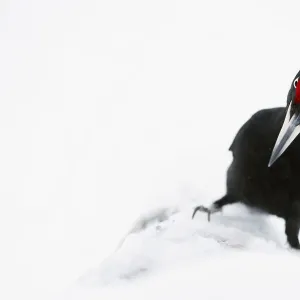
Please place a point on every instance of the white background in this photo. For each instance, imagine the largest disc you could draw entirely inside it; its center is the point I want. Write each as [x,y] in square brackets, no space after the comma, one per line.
[109,108]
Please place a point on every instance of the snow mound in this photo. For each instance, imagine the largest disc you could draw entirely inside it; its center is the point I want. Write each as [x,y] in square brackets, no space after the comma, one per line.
[243,275]
[169,237]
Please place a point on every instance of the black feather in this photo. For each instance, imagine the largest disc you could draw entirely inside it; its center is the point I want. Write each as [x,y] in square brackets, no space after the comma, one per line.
[274,190]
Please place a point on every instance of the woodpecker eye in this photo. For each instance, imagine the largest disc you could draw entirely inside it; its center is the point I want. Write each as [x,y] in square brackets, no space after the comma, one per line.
[296,82]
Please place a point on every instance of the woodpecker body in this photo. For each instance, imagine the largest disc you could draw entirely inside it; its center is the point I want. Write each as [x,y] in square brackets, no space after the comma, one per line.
[273,189]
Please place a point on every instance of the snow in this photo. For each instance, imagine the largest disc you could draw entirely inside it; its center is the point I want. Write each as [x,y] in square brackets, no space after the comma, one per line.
[240,253]
[222,278]
[111,109]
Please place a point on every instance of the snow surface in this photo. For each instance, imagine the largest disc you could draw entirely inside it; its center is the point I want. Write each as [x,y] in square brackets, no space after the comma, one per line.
[166,255]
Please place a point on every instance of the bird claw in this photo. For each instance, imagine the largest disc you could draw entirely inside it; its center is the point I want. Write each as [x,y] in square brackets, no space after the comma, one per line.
[203,209]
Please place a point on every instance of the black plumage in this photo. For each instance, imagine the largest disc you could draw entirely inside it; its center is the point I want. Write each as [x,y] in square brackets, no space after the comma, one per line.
[272,189]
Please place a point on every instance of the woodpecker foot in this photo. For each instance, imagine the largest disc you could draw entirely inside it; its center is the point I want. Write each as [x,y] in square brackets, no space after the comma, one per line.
[207,210]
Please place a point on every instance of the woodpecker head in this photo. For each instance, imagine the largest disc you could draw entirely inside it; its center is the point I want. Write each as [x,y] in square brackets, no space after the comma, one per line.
[291,125]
